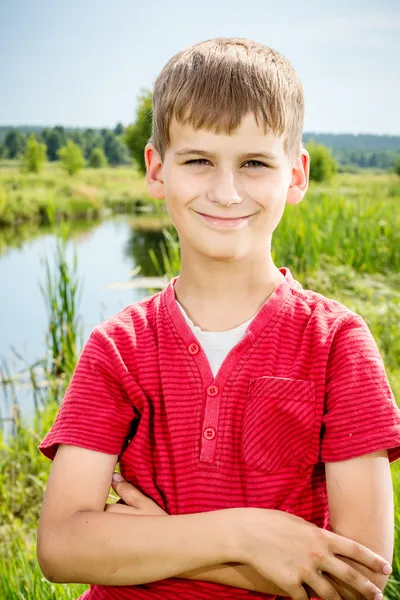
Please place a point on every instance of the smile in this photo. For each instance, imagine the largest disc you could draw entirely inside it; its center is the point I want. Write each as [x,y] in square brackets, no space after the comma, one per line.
[223,221]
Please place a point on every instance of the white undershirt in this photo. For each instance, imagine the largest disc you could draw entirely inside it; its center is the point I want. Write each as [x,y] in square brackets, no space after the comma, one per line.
[217,344]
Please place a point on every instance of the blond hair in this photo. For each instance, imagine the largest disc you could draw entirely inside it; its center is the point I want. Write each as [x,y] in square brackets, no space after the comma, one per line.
[213,84]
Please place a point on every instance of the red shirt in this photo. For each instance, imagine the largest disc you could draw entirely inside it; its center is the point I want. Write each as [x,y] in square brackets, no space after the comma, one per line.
[305,385]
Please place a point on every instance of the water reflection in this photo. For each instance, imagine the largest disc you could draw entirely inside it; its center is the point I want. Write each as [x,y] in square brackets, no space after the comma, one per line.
[107,253]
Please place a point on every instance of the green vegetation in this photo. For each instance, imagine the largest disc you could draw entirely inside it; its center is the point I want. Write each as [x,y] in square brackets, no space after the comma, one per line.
[97,159]
[342,241]
[23,469]
[138,134]
[34,156]
[61,294]
[23,476]
[322,164]
[71,157]
[397,168]
[13,144]
[91,193]
[355,220]
[14,139]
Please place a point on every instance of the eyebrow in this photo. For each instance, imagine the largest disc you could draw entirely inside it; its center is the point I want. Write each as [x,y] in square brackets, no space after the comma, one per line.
[186,151]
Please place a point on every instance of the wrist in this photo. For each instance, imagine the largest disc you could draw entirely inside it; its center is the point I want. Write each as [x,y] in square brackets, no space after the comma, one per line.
[242,522]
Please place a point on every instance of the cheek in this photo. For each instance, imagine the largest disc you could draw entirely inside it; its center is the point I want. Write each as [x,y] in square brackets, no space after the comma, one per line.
[180,185]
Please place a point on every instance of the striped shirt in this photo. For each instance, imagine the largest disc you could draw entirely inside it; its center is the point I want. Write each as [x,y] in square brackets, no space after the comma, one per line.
[305,385]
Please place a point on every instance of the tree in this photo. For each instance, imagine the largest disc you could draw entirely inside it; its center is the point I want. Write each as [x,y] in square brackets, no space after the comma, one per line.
[78,138]
[54,139]
[71,157]
[97,159]
[397,167]
[116,151]
[322,164]
[34,156]
[119,129]
[138,134]
[92,140]
[14,143]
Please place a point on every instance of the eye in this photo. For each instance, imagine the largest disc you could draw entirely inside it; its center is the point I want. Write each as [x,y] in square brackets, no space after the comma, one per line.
[257,163]
[197,162]
[200,161]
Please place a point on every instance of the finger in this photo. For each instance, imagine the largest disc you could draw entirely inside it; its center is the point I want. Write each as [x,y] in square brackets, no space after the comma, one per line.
[134,497]
[299,593]
[345,591]
[321,587]
[346,573]
[291,584]
[346,547]
[129,494]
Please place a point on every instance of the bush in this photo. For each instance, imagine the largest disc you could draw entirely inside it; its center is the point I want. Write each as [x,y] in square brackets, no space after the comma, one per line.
[322,164]
[34,156]
[97,159]
[138,134]
[71,157]
[397,167]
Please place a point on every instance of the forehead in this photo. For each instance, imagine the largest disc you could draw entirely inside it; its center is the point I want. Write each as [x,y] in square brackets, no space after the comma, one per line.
[248,137]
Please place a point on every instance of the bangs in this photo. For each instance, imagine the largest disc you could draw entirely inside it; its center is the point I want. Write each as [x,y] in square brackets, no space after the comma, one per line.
[213,85]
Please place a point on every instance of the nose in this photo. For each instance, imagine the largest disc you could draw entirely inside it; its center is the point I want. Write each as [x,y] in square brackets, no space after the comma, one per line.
[224,190]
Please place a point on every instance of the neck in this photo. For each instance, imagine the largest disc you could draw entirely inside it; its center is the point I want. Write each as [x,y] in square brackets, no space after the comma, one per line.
[221,295]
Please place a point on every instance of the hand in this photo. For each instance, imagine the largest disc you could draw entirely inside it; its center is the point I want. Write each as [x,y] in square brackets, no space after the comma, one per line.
[345,591]
[136,503]
[293,553]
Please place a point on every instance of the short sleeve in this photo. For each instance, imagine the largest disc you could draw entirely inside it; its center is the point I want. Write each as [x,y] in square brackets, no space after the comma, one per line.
[97,412]
[360,413]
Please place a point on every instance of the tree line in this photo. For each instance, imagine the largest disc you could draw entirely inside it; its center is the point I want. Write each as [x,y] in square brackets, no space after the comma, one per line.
[109,141]
[118,146]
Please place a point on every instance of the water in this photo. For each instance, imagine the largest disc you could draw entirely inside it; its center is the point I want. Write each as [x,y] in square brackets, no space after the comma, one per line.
[107,254]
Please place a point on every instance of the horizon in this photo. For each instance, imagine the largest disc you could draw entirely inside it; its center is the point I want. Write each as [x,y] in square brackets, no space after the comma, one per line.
[98,128]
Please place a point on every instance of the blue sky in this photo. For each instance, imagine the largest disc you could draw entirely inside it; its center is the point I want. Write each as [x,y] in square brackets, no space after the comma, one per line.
[83,63]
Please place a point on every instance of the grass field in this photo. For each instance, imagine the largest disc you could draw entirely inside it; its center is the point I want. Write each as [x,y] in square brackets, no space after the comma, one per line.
[87,195]
[343,241]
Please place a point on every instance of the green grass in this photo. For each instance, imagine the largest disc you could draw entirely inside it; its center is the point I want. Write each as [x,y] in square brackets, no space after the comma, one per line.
[28,197]
[356,225]
[21,579]
[23,475]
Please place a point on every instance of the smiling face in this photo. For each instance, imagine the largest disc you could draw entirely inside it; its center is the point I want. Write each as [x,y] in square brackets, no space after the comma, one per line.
[225,194]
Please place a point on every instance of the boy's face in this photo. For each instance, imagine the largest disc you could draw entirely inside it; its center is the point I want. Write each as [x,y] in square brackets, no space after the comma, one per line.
[223,204]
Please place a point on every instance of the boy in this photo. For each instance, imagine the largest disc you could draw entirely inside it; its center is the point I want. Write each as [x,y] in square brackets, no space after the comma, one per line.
[255,416]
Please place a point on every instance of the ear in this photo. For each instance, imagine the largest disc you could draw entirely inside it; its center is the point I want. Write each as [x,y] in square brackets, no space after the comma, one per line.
[300,178]
[154,172]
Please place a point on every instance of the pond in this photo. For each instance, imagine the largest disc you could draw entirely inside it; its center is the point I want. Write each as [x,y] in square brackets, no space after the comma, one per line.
[107,254]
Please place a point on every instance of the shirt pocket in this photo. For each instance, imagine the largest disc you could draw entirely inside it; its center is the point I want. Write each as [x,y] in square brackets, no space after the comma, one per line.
[278,423]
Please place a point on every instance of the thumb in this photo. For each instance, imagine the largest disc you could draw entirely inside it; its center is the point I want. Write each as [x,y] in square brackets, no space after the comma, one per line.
[129,494]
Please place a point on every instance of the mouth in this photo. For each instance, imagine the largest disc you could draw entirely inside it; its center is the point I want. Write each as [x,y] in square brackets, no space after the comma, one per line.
[224,221]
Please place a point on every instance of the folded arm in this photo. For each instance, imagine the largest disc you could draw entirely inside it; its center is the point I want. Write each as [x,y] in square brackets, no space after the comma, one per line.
[235,575]
[79,542]
[360,497]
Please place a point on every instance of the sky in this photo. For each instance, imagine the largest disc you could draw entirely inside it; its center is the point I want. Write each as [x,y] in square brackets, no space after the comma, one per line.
[82,63]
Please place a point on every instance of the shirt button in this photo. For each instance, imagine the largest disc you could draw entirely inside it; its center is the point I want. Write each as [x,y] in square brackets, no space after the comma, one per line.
[209,433]
[193,349]
[212,390]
